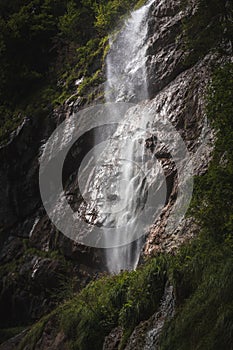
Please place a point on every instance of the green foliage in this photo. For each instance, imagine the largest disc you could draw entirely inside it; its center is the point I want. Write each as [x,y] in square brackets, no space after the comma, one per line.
[213,200]
[204,287]
[109,13]
[202,271]
[46,46]
[8,333]
[26,32]
[219,108]
[143,293]
[139,4]
[210,26]
[27,53]
[34,334]
[77,23]
[124,300]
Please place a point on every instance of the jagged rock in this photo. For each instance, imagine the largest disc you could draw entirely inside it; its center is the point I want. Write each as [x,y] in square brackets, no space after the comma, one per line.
[175,91]
[165,59]
[112,341]
[50,339]
[146,334]
[22,217]
[13,248]
[26,288]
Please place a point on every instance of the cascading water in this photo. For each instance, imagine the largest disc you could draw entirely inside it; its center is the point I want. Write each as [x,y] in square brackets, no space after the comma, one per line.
[126,82]
[116,186]
[126,61]
[120,179]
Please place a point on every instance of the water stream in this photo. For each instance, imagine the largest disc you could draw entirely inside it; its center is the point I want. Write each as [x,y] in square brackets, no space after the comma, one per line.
[126,61]
[166,311]
[126,82]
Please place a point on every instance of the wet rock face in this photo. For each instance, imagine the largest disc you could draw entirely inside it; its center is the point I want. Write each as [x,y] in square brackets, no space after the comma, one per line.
[165,53]
[174,92]
[19,193]
[146,335]
[183,104]
[27,278]
[112,341]
[27,283]
[20,301]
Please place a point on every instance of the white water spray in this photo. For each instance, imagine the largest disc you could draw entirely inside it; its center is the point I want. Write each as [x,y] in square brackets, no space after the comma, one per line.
[127,82]
[121,180]
[126,61]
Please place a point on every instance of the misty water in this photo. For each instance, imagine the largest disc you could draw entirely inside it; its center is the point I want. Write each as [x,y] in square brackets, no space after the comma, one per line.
[126,82]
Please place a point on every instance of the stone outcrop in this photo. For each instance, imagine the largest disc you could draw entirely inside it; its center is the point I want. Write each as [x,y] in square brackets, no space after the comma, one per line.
[176,91]
[28,237]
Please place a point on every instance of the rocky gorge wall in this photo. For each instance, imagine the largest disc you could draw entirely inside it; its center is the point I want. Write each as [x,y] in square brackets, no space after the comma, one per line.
[29,240]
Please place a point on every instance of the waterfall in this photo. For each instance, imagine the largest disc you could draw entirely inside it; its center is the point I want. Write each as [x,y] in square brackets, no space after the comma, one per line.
[126,82]
[126,61]
[122,185]
[123,178]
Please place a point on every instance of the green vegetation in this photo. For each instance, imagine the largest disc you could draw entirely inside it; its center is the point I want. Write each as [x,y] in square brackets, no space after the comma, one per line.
[55,283]
[209,28]
[71,39]
[45,46]
[213,201]
[201,272]
[122,300]
[8,333]
[203,276]
[35,335]
[204,285]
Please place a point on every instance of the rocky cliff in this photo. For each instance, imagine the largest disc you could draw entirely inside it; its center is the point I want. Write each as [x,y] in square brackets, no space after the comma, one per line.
[38,262]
